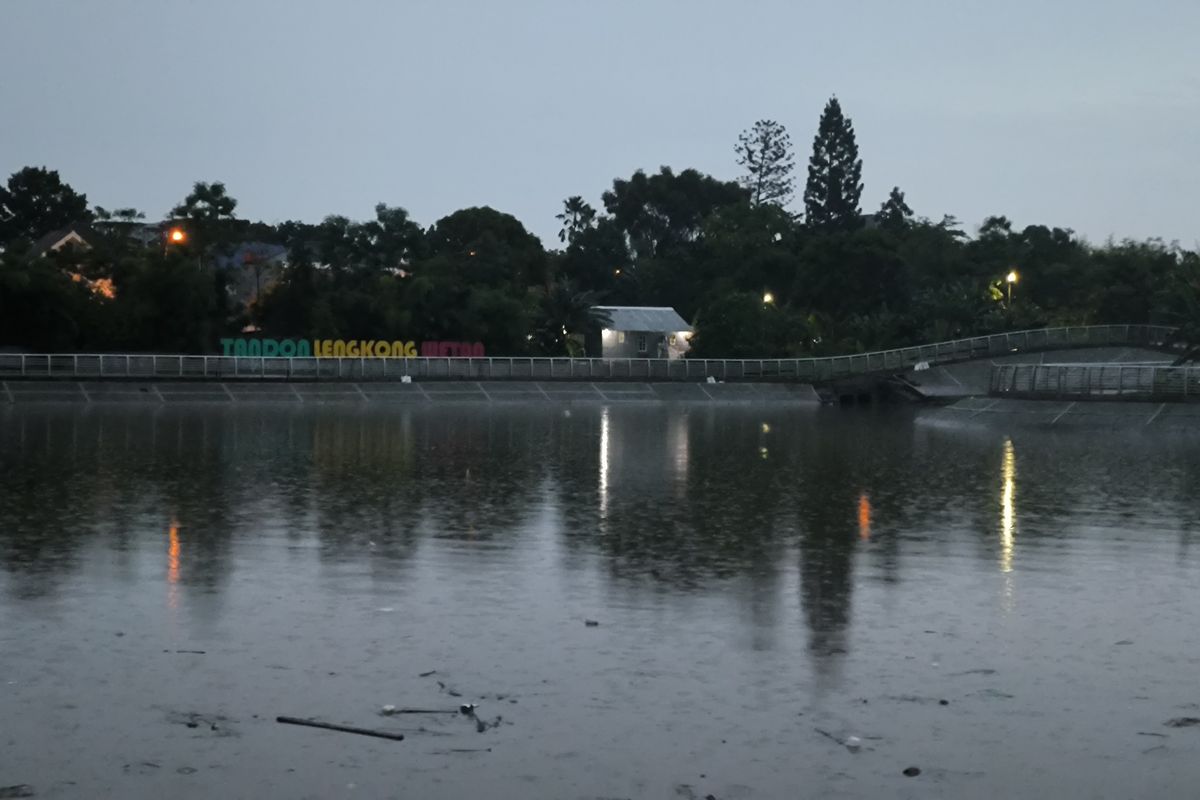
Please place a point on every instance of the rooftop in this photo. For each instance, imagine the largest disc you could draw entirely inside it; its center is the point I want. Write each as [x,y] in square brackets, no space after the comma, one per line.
[652,319]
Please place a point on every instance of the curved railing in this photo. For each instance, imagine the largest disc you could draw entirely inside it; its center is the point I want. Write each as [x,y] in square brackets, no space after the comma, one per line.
[1096,381]
[810,370]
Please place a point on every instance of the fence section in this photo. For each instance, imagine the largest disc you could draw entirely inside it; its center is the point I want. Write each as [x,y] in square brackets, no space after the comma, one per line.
[807,370]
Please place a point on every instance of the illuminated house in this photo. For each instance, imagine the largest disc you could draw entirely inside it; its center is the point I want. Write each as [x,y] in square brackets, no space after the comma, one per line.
[640,332]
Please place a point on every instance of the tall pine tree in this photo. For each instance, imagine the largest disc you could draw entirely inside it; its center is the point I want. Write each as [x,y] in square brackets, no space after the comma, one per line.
[766,152]
[834,186]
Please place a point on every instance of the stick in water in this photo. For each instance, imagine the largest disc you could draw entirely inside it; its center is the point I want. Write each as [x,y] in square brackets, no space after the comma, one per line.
[399,737]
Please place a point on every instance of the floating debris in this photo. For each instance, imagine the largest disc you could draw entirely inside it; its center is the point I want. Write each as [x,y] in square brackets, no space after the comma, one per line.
[311,723]
[1182,722]
[912,772]
[591,623]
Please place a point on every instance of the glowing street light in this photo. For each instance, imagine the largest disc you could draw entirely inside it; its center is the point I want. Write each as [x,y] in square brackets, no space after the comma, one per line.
[176,236]
[768,298]
[1011,278]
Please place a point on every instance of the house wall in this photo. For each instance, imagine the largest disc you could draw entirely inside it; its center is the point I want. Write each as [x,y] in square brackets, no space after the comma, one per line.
[657,345]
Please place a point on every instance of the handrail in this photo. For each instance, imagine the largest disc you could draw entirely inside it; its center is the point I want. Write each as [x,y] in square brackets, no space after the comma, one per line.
[808,370]
[1096,381]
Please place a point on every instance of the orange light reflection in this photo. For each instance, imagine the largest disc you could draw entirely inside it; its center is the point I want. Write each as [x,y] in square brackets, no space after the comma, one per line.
[864,517]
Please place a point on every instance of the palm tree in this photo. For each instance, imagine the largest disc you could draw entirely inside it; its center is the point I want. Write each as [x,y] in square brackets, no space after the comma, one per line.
[576,216]
[566,316]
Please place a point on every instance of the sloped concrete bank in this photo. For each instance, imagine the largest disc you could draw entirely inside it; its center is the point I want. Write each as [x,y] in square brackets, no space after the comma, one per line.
[425,392]
[969,378]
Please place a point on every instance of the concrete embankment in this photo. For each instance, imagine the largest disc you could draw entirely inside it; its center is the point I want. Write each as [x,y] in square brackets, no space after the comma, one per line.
[423,392]
[1090,415]
[971,378]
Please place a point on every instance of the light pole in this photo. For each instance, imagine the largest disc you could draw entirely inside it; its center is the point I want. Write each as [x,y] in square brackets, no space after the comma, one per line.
[1011,278]
[768,298]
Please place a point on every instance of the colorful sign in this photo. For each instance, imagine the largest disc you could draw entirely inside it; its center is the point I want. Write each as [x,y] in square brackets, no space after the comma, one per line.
[343,348]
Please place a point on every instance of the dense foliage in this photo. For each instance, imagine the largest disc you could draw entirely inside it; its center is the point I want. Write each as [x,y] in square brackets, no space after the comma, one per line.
[754,279]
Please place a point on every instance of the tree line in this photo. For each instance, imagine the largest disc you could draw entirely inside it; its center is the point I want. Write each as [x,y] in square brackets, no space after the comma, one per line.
[755,278]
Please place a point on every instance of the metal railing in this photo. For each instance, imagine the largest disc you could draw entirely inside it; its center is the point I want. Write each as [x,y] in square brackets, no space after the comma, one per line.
[1096,381]
[810,370]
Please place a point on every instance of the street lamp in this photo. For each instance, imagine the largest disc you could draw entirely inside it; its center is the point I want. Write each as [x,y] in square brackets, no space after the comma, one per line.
[1011,278]
[768,298]
[176,236]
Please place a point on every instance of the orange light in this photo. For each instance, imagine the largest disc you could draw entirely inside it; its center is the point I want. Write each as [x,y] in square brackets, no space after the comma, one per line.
[177,236]
[864,517]
[471,252]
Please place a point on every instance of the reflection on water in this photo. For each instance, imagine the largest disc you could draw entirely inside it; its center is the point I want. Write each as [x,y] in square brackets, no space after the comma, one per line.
[1008,472]
[173,564]
[864,517]
[747,567]
[602,481]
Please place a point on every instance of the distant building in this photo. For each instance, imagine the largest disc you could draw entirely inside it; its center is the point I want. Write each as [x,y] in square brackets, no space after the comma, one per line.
[71,236]
[640,332]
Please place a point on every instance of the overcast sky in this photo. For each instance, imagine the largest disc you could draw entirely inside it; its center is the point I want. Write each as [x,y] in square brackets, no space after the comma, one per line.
[1078,113]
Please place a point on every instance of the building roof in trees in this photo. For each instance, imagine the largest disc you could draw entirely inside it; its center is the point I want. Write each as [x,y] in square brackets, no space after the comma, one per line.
[651,319]
[77,235]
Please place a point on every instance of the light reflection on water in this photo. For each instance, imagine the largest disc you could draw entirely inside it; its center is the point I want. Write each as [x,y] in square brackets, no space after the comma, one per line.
[1008,516]
[327,557]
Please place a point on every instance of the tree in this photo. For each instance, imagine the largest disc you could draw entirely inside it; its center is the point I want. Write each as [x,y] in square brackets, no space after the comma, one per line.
[486,246]
[894,214]
[663,211]
[597,259]
[576,217]
[102,214]
[834,188]
[565,315]
[766,153]
[391,240]
[207,202]
[741,325]
[35,201]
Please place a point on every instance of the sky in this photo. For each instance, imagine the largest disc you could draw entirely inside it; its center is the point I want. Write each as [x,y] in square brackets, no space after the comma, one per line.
[1078,114]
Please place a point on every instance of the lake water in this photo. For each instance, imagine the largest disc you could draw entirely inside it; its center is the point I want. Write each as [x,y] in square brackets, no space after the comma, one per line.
[767,583]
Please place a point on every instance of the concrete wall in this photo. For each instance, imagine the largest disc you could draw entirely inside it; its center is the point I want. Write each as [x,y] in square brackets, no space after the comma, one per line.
[29,391]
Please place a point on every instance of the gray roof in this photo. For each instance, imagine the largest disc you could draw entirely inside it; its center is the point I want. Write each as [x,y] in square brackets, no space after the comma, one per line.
[645,318]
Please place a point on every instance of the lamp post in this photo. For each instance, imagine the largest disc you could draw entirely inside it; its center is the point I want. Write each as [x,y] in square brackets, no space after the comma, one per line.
[1011,278]
[768,298]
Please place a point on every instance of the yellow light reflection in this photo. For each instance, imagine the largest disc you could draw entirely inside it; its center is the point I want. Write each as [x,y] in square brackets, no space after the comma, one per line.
[1008,471]
[864,517]
[603,479]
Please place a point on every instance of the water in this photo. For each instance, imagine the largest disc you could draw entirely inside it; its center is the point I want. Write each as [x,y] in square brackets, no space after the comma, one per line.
[767,583]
